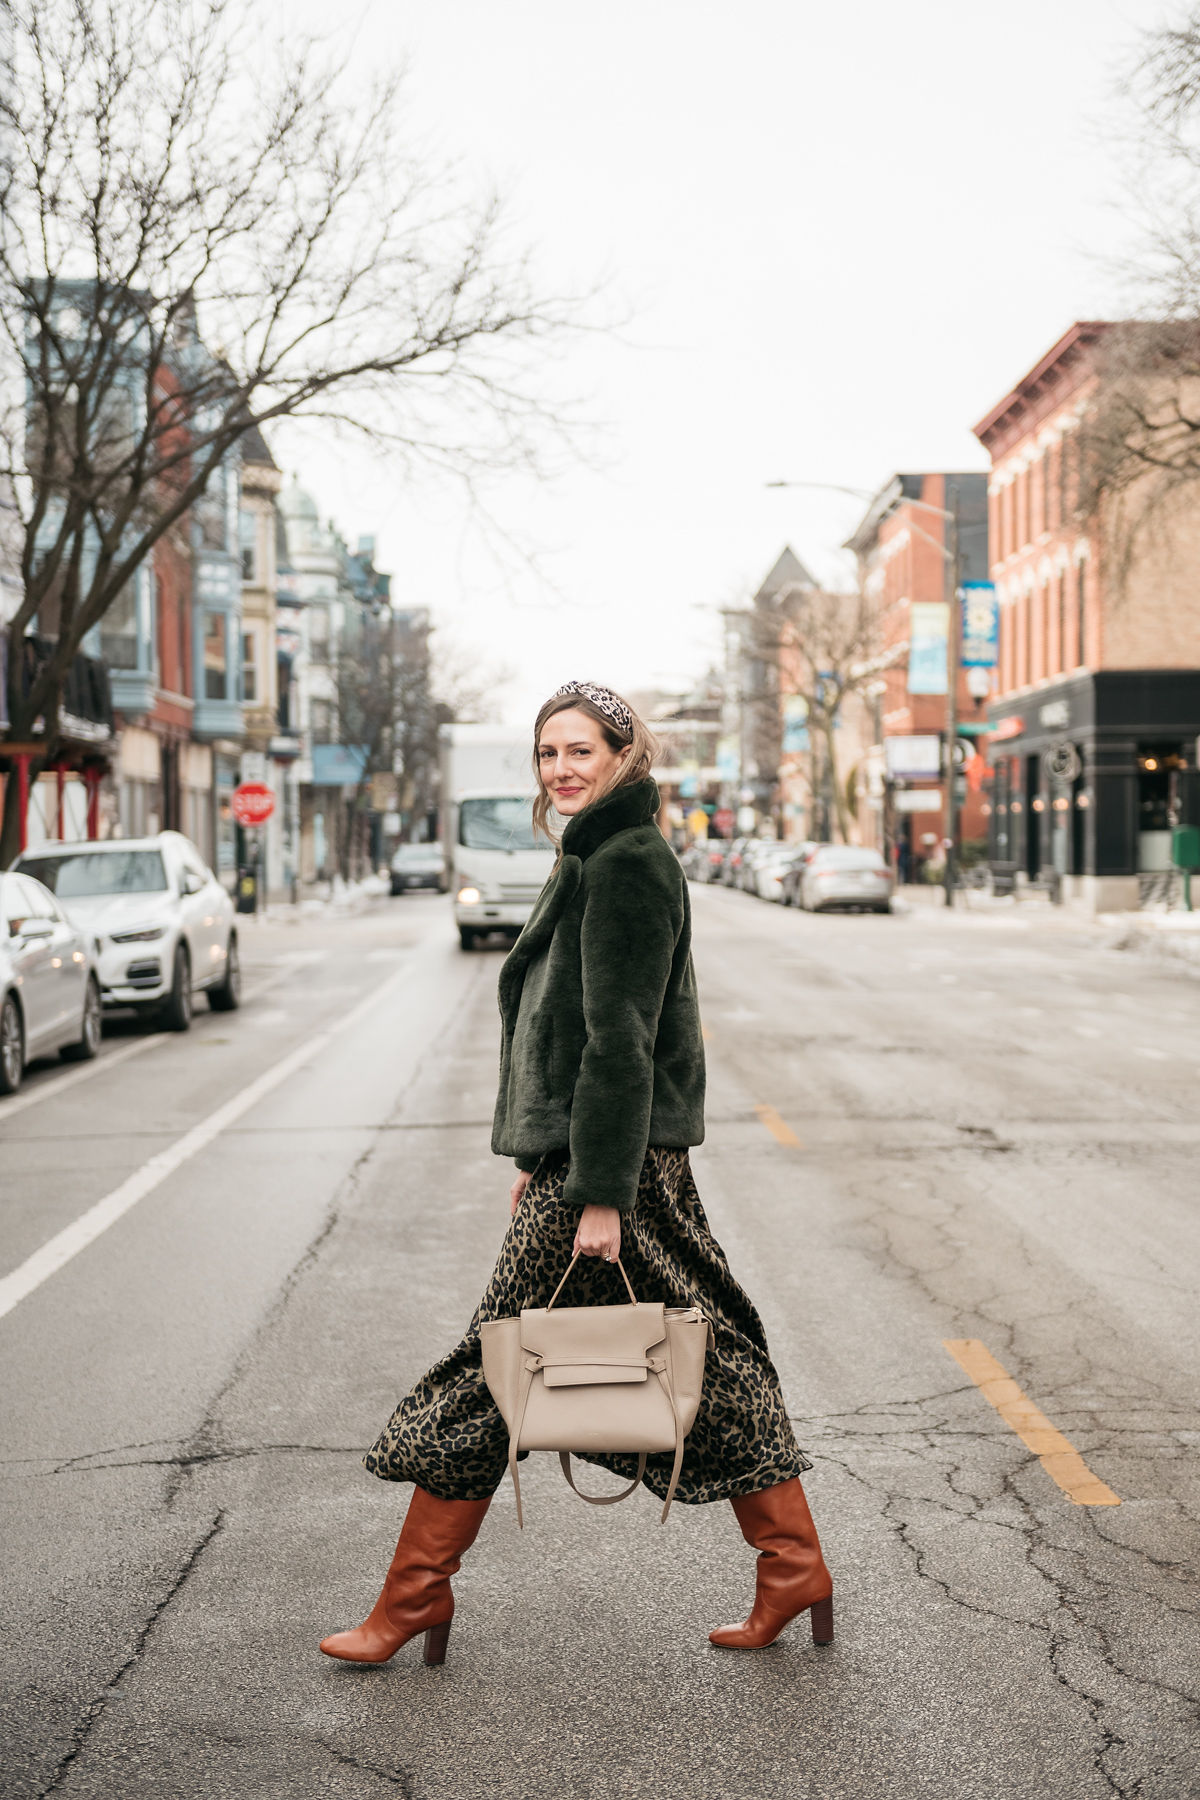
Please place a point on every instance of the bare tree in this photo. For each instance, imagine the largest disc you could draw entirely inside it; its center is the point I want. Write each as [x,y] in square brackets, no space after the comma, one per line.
[1138,446]
[169,168]
[832,654]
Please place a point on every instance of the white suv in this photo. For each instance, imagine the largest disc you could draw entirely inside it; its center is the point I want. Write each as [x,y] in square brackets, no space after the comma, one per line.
[162,924]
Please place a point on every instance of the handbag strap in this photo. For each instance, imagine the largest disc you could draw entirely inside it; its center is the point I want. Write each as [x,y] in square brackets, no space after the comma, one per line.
[659,1366]
[564,1457]
[562,1284]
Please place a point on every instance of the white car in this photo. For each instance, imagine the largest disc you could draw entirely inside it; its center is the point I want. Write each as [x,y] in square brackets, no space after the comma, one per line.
[161,923]
[49,995]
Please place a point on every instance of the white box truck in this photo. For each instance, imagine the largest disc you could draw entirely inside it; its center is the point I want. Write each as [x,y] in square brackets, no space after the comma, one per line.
[496,867]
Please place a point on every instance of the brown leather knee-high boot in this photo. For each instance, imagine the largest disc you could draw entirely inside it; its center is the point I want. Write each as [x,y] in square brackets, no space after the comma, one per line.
[416,1594]
[791,1574]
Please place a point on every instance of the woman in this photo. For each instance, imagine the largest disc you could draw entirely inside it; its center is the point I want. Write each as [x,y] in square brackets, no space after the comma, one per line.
[601,1096]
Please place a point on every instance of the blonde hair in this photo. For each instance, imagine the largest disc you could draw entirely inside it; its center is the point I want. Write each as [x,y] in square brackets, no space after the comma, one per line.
[642,746]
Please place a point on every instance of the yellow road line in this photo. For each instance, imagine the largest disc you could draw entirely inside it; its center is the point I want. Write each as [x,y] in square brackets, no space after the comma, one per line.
[1057,1455]
[783,1134]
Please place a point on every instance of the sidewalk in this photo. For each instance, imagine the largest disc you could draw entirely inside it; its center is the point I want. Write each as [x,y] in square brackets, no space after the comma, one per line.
[1175,935]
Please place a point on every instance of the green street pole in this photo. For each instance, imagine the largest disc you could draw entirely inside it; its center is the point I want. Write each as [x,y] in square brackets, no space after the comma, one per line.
[953,629]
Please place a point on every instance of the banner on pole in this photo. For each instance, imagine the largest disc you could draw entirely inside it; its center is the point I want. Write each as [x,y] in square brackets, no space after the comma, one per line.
[929,628]
[980,625]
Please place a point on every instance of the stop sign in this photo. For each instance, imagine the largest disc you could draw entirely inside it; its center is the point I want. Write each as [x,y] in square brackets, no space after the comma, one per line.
[253,803]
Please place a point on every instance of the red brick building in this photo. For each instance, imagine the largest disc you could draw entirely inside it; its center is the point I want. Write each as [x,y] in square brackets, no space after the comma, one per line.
[901,549]
[1097,708]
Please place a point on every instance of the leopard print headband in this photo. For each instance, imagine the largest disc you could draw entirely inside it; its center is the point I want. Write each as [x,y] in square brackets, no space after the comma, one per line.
[610,704]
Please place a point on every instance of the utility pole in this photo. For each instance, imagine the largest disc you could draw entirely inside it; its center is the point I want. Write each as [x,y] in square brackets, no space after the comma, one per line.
[953,627]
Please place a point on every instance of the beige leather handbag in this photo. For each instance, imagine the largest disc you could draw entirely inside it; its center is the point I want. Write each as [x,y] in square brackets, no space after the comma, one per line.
[576,1378]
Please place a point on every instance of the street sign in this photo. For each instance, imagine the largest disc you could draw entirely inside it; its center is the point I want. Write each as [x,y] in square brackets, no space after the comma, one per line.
[913,755]
[253,803]
[919,800]
[254,766]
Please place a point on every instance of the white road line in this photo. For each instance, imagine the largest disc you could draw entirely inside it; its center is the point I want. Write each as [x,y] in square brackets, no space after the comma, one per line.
[84,1230]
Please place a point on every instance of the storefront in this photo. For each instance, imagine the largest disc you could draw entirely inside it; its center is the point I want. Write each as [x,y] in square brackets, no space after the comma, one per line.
[1089,776]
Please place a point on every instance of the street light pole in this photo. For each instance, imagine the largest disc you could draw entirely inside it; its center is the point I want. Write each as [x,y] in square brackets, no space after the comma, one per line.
[952,657]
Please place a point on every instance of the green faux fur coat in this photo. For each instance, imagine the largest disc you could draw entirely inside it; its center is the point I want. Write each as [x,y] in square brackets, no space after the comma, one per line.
[602,1053]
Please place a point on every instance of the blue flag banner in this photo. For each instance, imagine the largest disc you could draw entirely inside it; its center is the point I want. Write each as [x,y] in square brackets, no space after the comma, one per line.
[980,625]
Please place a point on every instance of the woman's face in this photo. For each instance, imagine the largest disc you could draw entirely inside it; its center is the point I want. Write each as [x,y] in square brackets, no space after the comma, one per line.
[574,759]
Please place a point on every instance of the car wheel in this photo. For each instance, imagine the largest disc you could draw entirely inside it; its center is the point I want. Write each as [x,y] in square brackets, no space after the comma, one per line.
[176,1013]
[12,1046]
[885,908]
[396,889]
[466,937]
[87,1043]
[227,995]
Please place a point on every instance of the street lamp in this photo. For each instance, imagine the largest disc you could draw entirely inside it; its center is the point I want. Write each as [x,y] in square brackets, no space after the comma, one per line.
[949,554]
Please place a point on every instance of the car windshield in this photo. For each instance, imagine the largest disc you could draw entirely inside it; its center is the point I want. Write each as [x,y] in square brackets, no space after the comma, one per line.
[76,874]
[847,856]
[418,853]
[497,823]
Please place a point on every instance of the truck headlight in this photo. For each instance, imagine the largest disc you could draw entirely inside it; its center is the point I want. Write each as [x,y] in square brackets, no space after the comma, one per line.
[469,896]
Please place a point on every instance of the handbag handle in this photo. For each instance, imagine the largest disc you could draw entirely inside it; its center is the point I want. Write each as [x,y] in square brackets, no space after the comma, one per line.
[562,1284]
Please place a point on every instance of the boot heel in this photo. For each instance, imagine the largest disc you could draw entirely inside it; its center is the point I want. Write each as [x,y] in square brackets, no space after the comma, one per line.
[435,1642]
[822,1621]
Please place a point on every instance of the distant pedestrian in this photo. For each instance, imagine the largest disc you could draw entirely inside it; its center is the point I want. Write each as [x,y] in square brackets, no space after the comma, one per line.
[601,1095]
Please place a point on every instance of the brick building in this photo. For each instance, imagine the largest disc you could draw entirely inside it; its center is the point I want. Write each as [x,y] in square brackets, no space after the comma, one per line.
[1097,710]
[900,545]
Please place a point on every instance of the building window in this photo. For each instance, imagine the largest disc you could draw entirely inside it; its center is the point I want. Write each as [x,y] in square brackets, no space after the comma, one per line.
[119,630]
[1081,612]
[248,534]
[249,668]
[318,634]
[1062,621]
[216,659]
[321,717]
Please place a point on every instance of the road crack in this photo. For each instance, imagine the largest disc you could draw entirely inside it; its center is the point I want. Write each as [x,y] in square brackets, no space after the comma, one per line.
[95,1711]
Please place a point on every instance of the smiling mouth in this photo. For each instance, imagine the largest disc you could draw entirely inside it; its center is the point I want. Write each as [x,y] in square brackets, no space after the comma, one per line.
[565,793]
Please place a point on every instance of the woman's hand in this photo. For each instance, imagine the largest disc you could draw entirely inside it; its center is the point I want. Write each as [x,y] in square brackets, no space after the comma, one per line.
[517,1190]
[599,1233]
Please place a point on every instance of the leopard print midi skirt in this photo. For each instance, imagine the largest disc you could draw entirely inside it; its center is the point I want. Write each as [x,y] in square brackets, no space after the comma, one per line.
[447,1435]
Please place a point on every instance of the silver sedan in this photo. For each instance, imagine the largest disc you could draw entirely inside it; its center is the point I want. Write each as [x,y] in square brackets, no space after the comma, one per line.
[844,875]
[49,995]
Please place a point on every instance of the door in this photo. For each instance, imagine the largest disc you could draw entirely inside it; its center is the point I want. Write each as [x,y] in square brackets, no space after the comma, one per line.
[67,964]
[30,933]
[211,931]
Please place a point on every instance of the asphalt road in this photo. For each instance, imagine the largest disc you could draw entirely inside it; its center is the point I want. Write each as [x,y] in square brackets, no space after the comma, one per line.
[920,1129]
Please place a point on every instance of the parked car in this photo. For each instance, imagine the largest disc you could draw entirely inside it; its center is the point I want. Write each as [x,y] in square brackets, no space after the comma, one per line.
[755,854]
[161,923]
[844,875]
[49,994]
[704,860]
[793,875]
[770,870]
[418,866]
[732,861]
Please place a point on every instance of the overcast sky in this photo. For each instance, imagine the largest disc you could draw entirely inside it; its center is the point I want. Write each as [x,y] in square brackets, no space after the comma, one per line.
[841,231]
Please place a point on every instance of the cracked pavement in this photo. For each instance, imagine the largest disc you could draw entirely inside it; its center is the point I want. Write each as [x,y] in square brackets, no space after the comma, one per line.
[998,1134]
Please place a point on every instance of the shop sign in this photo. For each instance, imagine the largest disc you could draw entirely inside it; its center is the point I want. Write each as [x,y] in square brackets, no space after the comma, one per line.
[1055,713]
[913,755]
[1008,728]
[929,626]
[980,625]
[919,800]
[337,765]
